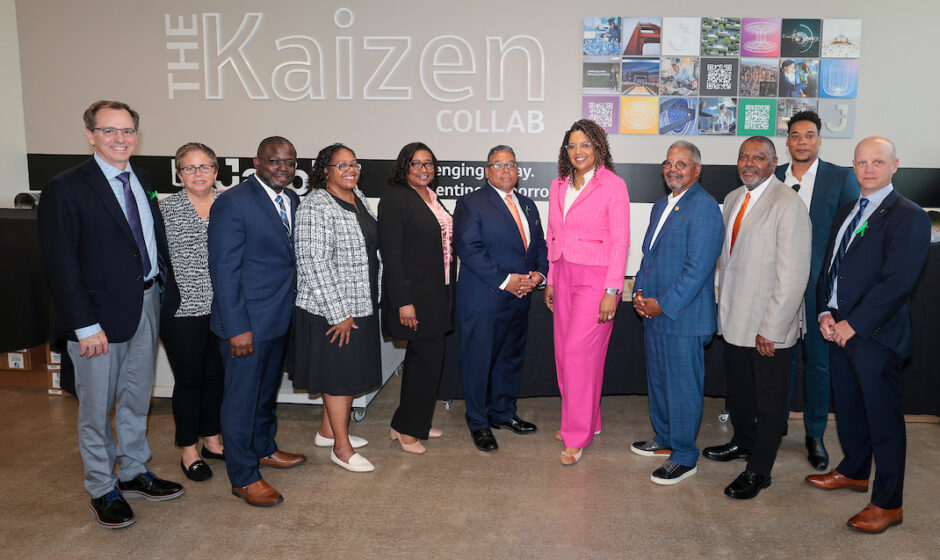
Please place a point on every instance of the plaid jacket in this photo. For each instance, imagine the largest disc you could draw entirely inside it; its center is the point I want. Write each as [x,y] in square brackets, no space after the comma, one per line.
[332,265]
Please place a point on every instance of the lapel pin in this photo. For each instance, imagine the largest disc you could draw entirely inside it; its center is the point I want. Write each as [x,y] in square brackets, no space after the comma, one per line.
[676,209]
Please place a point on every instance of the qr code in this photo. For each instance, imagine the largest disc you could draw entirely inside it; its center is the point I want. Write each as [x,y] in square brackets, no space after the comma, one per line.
[718,76]
[601,113]
[757,117]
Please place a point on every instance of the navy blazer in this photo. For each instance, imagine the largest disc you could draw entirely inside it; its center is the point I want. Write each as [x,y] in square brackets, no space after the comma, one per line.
[251,263]
[91,258]
[488,243]
[879,271]
[834,186]
[679,269]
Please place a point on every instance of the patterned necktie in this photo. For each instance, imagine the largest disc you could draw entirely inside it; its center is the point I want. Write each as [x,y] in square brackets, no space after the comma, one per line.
[843,246]
[283,210]
[737,221]
[133,220]
[515,216]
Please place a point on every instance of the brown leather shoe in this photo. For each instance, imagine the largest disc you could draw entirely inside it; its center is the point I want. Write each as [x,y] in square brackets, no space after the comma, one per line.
[283,460]
[833,480]
[259,494]
[873,519]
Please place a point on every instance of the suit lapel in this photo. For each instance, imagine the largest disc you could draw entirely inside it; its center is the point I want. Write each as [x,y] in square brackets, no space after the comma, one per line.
[593,186]
[102,188]
[267,208]
[681,207]
[821,192]
[874,221]
[502,210]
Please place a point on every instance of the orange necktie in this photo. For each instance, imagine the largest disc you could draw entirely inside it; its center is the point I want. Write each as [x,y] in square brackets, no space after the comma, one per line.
[515,216]
[737,221]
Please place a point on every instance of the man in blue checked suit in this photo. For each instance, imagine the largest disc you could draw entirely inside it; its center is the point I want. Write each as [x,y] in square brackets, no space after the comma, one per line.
[674,292]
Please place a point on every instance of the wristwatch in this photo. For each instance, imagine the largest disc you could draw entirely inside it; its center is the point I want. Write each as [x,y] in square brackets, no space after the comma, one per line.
[612,291]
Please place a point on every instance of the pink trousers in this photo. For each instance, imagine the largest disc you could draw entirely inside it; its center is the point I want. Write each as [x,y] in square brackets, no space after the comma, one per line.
[580,348]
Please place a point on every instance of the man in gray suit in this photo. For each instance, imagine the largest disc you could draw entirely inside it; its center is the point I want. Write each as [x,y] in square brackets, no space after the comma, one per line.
[763,272]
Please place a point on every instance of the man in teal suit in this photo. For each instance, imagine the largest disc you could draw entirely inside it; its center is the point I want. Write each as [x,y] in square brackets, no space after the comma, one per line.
[823,187]
[674,292]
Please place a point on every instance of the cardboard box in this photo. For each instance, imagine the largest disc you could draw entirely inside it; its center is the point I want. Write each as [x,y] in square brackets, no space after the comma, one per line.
[54,377]
[23,368]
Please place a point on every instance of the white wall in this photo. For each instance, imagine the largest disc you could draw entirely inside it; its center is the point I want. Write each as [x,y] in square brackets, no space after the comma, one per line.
[13,132]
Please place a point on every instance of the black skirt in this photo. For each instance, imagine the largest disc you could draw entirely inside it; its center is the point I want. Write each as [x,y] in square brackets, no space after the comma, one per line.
[318,366]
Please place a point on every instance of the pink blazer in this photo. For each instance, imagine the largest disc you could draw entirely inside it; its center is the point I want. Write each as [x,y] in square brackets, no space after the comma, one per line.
[596,230]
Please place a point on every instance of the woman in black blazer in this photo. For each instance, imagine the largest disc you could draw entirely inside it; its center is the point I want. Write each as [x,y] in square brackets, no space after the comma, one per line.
[415,237]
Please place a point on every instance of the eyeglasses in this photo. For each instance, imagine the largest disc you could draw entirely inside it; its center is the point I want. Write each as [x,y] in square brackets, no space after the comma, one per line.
[291,163]
[191,169]
[345,166]
[510,165]
[582,145]
[680,165]
[110,131]
[421,164]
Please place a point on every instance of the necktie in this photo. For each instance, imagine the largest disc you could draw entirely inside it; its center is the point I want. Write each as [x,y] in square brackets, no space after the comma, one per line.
[737,221]
[796,187]
[283,210]
[843,245]
[133,220]
[515,216]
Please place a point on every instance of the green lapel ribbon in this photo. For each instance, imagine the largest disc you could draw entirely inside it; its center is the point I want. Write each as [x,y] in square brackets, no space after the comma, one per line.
[152,195]
[861,229]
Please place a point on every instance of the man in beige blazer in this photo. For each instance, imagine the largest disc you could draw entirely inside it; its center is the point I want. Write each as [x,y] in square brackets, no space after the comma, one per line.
[763,272]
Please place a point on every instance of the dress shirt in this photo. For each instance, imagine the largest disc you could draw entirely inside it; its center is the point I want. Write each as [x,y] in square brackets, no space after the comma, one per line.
[522,218]
[874,201]
[806,183]
[272,194]
[755,195]
[671,202]
[572,193]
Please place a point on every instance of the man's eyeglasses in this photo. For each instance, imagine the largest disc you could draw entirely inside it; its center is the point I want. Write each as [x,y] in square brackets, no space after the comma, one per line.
[680,165]
[110,131]
[291,163]
[421,164]
[191,169]
[345,166]
[510,165]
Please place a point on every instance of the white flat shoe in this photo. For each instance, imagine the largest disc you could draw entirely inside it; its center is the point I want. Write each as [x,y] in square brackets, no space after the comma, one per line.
[355,441]
[357,463]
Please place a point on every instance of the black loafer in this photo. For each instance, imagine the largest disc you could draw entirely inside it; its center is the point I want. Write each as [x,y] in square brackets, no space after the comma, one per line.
[206,454]
[198,471]
[147,485]
[484,440]
[818,456]
[517,425]
[726,452]
[747,485]
[112,511]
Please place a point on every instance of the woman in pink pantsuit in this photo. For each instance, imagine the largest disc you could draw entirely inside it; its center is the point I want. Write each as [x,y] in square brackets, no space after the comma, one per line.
[588,236]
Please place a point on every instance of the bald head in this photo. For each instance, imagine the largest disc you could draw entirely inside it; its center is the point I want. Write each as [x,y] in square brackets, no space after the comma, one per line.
[875,163]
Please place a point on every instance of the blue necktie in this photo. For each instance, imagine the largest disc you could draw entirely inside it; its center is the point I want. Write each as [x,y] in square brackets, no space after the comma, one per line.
[283,211]
[843,245]
[133,220]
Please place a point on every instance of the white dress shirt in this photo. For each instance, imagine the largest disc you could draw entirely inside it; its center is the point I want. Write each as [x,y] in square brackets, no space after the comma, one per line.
[272,194]
[671,202]
[807,183]
[572,193]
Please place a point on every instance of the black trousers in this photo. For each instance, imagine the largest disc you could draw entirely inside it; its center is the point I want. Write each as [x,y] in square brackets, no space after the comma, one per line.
[193,353]
[757,401]
[421,376]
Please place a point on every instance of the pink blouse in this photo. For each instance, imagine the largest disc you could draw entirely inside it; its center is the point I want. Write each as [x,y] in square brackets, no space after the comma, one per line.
[447,231]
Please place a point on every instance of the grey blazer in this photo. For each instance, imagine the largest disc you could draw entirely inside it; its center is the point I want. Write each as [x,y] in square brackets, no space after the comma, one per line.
[761,284]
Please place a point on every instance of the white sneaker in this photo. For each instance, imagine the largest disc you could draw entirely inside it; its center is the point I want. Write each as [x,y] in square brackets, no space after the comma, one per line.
[357,463]
[355,441]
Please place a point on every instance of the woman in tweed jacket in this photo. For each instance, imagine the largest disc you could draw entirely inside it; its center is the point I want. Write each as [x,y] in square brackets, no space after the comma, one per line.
[335,344]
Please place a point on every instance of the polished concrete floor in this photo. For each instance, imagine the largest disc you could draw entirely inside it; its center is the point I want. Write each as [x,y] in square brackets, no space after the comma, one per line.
[454,501]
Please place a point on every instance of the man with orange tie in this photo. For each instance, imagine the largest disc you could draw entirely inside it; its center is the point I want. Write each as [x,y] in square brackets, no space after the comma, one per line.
[503,257]
[762,274]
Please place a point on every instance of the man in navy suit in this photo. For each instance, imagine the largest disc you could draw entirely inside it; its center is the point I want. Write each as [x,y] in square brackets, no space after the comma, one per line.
[251,262]
[823,187]
[674,292]
[104,249]
[503,257]
[875,255]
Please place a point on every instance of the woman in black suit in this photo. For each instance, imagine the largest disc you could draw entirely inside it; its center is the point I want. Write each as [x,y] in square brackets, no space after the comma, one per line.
[415,237]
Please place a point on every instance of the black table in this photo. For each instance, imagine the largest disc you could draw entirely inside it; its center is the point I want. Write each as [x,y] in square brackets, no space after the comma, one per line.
[25,300]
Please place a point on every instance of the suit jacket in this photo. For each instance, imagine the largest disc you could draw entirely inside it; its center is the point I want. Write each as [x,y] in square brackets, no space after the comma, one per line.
[488,243]
[879,271]
[761,284]
[413,255]
[679,269]
[251,263]
[596,230]
[92,260]
[834,186]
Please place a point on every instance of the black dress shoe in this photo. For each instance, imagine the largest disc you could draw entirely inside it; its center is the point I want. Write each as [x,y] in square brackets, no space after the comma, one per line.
[206,454]
[112,511]
[726,452]
[147,485]
[818,456]
[198,471]
[747,485]
[484,440]
[517,425]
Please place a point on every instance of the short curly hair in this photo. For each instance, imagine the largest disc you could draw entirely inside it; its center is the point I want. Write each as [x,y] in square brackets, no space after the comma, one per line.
[318,175]
[597,137]
[398,177]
